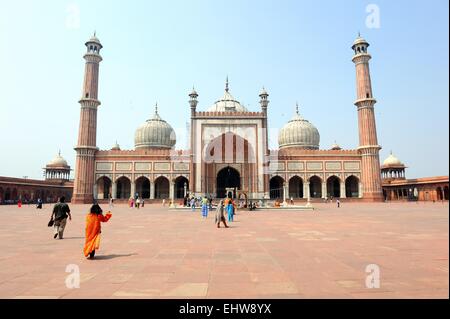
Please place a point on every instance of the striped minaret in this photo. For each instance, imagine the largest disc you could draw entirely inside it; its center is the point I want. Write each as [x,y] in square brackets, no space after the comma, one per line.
[368,143]
[83,191]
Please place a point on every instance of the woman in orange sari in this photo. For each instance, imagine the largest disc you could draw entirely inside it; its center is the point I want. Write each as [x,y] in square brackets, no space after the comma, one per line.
[93,230]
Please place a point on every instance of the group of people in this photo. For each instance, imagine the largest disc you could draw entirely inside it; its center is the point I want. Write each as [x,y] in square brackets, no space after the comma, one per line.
[136,202]
[60,214]
[227,205]
[195,202]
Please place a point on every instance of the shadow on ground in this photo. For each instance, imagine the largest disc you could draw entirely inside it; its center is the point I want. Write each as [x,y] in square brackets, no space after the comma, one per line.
[112,256]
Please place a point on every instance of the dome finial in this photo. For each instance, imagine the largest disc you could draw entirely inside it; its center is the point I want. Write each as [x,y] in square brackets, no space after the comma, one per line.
[59,152]
[296,108]
[156,108]
[227,85]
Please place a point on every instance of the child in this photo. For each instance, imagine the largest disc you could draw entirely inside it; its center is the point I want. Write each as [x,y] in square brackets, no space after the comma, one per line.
[93,230]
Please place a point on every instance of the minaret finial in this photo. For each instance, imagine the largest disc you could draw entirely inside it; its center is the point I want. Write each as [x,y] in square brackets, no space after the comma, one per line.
[359,34]
[226,85]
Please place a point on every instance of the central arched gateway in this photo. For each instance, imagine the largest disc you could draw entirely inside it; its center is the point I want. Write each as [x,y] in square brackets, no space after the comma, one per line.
[227,177]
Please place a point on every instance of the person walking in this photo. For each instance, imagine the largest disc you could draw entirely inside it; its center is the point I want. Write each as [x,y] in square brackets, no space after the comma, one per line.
[59,215]
[205,207]
[39,203]
[220,215]
[193,204]
[230,210]
[111,203]
[338,202]
[93,230]
[210,201]
[142,203]
[138,202]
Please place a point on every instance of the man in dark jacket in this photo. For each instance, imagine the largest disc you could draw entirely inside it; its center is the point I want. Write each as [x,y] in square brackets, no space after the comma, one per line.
[60,213]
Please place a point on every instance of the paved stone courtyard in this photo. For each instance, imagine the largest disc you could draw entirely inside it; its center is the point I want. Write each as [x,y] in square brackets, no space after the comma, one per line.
[157,253]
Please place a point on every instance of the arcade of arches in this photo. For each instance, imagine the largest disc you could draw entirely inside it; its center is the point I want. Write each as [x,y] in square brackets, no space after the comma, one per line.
[315,187]
[420,189]
[123,188]
[29,190]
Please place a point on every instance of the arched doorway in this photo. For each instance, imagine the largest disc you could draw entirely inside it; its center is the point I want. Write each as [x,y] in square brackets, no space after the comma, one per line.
[104,187]
[2,195]
[143,187]
[162,188]
[14,194]
[315,187]
[276,188]
[180,183]
[334,187]
[446,192]
[295,187]
[352,187]
[7,194]
[439,193]
[227,177]
[123,188]
[236,151]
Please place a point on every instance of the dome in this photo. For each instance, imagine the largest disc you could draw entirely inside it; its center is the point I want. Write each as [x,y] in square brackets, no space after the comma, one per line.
[392,161]
[155,133]
[298,132]
[359,40]
[193,93]
[94,39]
[58,161]
[116,147]
[227,103]
[263,92]
[335,147]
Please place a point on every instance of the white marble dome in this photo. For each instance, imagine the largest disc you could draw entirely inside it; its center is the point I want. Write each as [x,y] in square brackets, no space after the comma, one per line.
[116,147]
[300,133]
[155,133]
[58,161]
[391,160]
[227,103]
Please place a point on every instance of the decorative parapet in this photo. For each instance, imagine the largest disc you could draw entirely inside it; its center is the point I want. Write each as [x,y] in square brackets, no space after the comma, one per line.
[299,152]
[205,114]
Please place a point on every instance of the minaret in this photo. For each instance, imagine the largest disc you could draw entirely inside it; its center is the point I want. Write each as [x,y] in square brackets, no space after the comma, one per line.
[192,165]
[368,143]
[264,101]
[83,191]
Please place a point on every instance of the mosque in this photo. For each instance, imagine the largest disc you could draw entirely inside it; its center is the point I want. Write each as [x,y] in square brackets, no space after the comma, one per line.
[229,155]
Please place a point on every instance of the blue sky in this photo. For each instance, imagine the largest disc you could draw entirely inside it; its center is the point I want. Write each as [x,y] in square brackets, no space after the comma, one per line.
[156,50]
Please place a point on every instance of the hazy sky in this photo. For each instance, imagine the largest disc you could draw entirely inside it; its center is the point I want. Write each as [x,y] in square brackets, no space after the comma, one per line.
[156,50]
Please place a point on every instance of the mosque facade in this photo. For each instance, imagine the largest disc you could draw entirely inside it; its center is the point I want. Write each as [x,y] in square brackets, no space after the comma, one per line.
[229,152]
